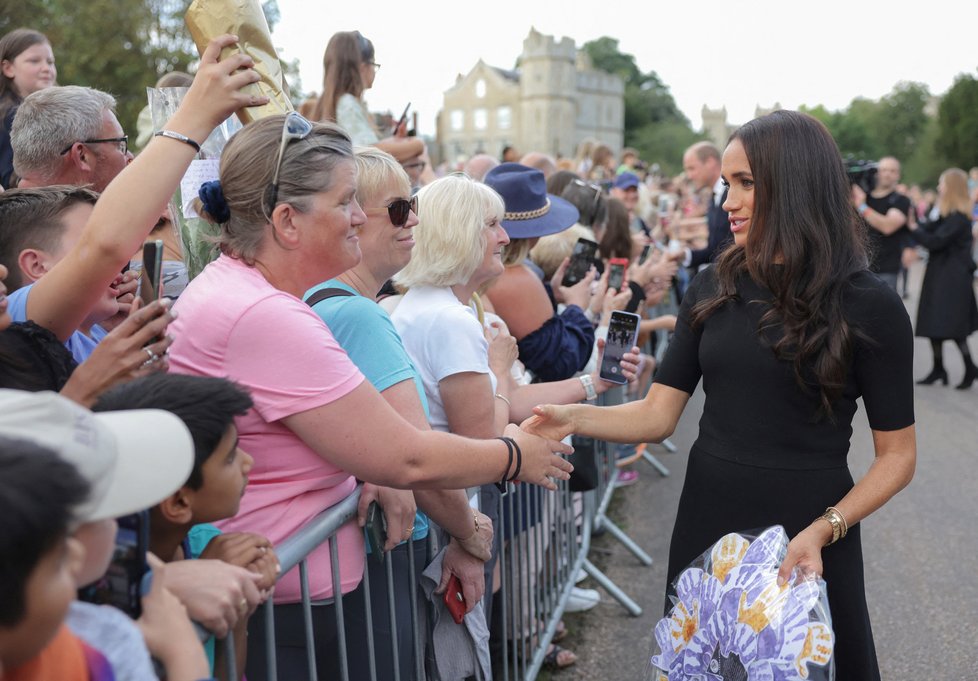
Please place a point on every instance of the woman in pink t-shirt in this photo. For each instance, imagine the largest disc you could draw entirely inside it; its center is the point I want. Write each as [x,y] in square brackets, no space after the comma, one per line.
[289,219]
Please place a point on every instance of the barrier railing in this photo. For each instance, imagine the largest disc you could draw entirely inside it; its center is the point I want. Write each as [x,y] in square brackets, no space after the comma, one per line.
[546,537]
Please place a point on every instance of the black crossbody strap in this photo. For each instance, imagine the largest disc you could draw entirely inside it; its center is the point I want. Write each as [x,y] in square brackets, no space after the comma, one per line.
[322,294]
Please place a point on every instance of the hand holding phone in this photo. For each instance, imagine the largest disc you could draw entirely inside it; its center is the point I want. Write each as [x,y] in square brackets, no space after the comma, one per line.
[616,274]
[151,277]
[622,332]
[376,529]
[454,600]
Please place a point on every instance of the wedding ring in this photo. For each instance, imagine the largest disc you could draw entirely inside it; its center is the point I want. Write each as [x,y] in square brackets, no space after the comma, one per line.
[152,357]
[243,606]
[409,531]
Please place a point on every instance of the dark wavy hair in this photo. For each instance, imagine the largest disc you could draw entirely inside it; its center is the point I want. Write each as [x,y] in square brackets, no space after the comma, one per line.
[804,245]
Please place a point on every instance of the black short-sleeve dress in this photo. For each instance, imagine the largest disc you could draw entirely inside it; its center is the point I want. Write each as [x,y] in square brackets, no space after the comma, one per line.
[763,457]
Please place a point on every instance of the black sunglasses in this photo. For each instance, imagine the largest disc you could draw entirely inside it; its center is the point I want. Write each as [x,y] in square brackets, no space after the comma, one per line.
[295,127]
[399,210]
[122,142]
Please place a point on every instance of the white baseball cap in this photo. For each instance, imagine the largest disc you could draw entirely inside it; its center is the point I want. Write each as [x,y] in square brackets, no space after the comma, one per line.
[132,459]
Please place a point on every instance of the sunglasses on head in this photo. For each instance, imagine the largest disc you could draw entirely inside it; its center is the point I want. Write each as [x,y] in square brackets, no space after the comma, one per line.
[398,210]
[295,127]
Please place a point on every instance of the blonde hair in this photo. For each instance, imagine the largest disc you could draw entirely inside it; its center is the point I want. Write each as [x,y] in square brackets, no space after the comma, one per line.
[376,169]
[516,251]
[551,250]
[247,169]
[955,196]
[450,238]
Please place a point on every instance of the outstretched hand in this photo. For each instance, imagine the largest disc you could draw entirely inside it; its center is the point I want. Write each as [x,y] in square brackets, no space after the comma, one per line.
[541,461]
[551,421]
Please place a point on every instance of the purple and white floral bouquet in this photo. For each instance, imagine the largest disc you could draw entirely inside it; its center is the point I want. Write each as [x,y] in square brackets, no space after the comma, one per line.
[730,621]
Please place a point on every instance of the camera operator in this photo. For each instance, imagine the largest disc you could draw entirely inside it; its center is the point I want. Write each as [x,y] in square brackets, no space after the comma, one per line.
[885,210]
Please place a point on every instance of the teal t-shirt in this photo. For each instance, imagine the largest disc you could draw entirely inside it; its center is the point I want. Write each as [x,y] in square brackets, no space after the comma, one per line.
[365,331]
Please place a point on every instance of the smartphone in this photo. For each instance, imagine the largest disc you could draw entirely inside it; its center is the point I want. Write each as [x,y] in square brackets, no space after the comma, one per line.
[128,577]
[581,260]
[646,249]
[400,121]
[622,332]
[454,600]
[616,274]
[151,277]
[376,530]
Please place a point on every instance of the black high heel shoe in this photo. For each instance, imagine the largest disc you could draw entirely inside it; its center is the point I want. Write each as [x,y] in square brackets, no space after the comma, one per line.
[970,374]
[934,376]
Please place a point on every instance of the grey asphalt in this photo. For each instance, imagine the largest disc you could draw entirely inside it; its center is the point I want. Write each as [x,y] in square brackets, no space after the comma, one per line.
[921,548]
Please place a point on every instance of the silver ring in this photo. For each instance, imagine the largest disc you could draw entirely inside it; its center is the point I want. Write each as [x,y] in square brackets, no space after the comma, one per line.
[152,357]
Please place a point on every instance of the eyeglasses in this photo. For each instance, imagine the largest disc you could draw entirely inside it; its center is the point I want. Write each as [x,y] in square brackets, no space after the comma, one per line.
[399,210]
[374,64]
[295,127]
[121,142]
[416,165]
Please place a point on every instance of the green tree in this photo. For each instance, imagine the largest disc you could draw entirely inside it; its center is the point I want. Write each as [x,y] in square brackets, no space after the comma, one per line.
[958,123]
[654,125]
[898,120]
[119,46]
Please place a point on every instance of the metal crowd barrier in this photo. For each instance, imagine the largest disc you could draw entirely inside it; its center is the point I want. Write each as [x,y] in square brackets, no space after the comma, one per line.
[546,537]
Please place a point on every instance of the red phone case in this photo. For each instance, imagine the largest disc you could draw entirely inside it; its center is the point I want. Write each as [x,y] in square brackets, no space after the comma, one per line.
[454,600]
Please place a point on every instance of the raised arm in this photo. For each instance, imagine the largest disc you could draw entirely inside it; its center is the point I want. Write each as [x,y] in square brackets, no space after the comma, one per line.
[131,204]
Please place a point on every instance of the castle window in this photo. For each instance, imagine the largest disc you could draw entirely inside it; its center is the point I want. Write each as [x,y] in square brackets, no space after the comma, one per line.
[480,88]
[457,119]
[480,119]
[504,118]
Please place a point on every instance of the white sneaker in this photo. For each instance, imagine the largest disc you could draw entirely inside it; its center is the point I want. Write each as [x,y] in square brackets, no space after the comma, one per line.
[582,599]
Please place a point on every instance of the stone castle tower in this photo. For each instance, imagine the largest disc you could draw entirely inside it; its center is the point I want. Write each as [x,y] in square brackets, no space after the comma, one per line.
[548,93]
[553,101]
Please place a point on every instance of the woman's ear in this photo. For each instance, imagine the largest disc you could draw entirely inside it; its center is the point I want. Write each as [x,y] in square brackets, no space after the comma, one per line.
[286,227]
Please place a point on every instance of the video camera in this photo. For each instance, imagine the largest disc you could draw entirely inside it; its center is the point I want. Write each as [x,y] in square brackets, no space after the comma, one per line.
[862,173]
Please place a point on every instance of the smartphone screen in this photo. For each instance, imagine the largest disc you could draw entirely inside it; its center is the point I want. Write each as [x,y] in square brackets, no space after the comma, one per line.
[616,275]
[150,278]
[580,262]
[122,584]
[622,332]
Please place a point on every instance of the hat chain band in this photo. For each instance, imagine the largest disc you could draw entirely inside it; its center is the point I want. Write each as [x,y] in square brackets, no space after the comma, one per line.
[528,214]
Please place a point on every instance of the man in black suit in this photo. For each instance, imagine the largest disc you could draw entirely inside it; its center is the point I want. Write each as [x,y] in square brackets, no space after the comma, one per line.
[702,165]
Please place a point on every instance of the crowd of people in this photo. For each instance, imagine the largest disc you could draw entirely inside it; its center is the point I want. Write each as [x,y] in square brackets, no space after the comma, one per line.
[368,318]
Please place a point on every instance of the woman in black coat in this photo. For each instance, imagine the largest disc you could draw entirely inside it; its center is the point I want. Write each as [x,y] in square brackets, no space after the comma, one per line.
[947,308]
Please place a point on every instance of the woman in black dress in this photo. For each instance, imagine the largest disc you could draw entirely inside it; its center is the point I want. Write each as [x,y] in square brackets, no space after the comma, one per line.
[787,330]
[947,308]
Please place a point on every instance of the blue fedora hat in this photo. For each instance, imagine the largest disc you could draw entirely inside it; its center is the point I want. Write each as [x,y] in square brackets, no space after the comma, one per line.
[530,210]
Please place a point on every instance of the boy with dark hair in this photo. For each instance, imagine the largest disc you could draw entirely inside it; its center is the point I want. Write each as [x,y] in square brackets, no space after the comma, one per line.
[179,526]
[39,493]
[123,471]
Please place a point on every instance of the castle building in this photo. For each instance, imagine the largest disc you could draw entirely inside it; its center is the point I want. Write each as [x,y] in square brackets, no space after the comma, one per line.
[555,100]
[718,130]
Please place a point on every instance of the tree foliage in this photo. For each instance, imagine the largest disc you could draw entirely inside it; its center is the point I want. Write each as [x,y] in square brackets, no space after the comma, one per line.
[654,125]
[119,46]
[957,138]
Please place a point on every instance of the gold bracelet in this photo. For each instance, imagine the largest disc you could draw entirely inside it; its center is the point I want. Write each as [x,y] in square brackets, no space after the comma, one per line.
[504,399]
[842,518]
[838,523]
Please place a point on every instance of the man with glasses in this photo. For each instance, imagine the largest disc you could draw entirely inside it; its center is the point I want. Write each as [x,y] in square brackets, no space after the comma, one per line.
[68,135]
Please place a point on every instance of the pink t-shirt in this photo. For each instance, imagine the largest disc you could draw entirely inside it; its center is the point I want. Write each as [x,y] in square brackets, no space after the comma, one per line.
[232,323]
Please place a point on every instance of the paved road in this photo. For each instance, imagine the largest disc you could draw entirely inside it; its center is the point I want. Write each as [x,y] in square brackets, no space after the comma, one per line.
[921,548]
